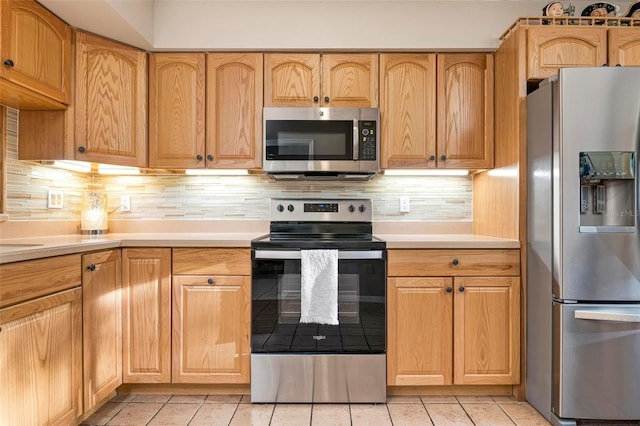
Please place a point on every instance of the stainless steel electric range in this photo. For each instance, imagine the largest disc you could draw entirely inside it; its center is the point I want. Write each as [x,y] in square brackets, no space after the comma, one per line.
[294,361]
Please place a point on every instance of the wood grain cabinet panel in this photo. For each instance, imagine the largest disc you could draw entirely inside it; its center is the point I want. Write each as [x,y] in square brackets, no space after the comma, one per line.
[212,261]
[552,47]
[465,111]
[211,317]
[486,327]
[420,336]
[451,327]
[41,360]
[624,46]
[234,110]
[177,110]
[101,325]
[146,301]
[35,50]
[408,110]
[110,102]
[315,80]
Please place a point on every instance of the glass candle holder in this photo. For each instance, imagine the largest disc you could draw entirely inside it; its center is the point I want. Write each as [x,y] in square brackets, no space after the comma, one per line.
[94,216]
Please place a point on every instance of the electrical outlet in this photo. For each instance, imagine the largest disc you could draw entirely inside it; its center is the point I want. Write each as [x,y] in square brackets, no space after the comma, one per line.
[405,204]
[55,199]
[125,203]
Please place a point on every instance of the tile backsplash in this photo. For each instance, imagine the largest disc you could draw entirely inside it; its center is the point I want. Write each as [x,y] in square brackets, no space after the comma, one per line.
[154,197]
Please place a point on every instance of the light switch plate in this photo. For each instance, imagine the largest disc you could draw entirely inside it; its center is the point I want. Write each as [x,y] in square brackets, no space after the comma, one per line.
[55,199]
[125,203]
[405,204]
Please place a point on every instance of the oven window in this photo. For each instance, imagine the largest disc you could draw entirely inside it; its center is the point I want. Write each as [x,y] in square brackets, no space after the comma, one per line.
[309,140]
[276,323]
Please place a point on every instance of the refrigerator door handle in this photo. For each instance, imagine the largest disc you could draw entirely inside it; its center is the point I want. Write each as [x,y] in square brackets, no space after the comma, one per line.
[608,316]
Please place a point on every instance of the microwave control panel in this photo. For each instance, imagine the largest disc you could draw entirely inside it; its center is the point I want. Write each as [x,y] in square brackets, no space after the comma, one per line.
[368,135]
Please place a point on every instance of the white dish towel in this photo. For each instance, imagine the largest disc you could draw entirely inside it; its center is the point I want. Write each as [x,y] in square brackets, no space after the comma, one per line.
[319,287]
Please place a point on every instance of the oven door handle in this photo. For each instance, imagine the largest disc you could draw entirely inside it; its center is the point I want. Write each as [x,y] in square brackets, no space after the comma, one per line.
[296,254]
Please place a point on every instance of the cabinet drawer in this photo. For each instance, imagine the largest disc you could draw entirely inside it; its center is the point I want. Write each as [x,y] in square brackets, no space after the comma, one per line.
[34,278]
[226,261]
[408,263]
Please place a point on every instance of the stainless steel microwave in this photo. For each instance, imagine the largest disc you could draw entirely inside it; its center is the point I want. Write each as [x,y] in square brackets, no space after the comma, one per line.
[321,143]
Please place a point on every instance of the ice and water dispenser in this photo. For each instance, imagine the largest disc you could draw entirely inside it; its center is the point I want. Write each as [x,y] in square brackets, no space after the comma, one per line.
[607,191]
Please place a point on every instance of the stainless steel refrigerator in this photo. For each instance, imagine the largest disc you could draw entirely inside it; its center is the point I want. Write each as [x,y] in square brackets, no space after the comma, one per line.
[583,245]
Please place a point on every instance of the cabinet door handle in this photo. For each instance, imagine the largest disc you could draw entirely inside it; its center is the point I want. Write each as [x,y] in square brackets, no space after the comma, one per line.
[461,288]
[9,63]
[316,99]
[432,157]
[210,157]
[82,149]
[449,289]
[326,99]
[199,157]
[91,267]
[211,281]
[443,157]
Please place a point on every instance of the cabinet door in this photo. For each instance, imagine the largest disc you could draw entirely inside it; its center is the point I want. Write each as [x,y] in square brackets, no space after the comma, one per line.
[291,79]
[624,46]
[350,80]
[101,325]
[419,350]
[176,110]
[552,47]
[111,99]
[486,330]
[41,360]
[146,301]
[465,111]
[408,110]
[211,317]
[234,110]
[36,49]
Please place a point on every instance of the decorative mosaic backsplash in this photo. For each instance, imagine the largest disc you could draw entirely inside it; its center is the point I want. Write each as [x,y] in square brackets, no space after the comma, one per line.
[155,197]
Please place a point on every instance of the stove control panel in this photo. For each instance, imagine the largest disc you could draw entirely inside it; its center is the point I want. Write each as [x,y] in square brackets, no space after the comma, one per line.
[321,210]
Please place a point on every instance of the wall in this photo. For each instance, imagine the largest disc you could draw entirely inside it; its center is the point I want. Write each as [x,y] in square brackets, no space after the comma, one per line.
[303,24]
[181,197]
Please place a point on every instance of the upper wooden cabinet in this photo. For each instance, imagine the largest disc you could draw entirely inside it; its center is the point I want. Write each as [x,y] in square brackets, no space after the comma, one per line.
[35,50]
[177,110]
[110,102]
[551,47]
[465,111]
[308,80]
[624,46]
[234,110]
[458,109]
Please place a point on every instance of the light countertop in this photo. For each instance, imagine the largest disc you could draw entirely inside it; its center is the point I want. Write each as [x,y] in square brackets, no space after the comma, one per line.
[17,249]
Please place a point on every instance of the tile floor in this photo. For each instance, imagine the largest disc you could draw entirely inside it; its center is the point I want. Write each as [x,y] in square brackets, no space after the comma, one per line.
[214,410]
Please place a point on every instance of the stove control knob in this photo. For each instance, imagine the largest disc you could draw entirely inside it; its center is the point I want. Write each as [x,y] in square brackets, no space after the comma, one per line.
[280,208]
[290,207]
[361,208]
[352,208]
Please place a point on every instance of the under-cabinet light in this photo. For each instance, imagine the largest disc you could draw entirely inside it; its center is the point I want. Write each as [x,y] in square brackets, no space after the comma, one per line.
[109,169]
[74,166]
[216,172]
[426,172]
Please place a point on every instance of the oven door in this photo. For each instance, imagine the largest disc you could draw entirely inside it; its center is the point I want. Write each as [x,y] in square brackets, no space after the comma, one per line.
[276,326]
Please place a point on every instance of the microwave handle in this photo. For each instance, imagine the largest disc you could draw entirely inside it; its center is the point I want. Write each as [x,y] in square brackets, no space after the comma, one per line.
[356,140]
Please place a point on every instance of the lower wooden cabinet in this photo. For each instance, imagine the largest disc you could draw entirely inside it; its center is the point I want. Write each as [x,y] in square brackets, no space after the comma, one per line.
[101,325]
[146,302]
[41,360]
[456,328]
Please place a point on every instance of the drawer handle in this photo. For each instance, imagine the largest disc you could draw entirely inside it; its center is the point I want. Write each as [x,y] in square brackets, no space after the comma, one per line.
[449,289]
[455,262]
[461,288]
[91,267]
[211,281]
[9,63]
